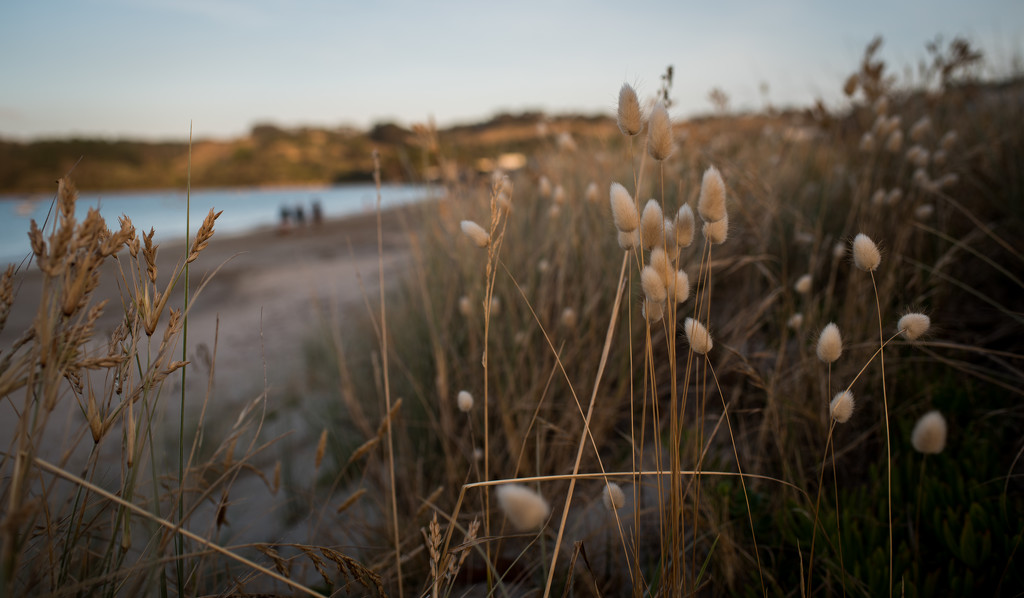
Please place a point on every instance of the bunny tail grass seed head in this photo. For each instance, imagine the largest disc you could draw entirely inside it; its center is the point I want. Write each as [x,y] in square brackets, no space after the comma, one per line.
[659,261]
[652,311]
[929,434]
[612,497]
[630,120]
[592,193]
[716,232]
[544,187]
[465,306]
[913,325]
[679,286]
[711,203]
[629,240]
[830,343]
[841,407]
[698,337]
[652,225]
[624,211]
[569,318]
[659,133]
[653,284]
[465,401]
[684,226]
[865,253]
[795,321]
[803,284]
[525,509]
[475,232]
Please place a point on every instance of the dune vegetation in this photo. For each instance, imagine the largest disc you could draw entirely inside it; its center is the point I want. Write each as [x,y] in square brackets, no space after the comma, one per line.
[770,354]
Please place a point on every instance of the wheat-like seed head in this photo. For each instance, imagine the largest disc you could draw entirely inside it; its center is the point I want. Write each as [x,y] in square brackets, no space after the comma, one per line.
[929,434]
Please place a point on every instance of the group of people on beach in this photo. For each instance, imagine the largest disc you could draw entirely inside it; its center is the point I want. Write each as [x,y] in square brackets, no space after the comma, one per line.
[295,216]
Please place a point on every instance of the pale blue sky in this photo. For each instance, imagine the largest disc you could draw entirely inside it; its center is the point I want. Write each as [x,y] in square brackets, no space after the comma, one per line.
[146,68]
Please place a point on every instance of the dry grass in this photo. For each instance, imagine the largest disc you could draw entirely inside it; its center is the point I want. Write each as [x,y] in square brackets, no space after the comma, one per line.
[720,419]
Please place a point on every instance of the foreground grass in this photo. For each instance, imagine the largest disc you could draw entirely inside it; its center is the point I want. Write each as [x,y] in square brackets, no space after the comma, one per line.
[538,404]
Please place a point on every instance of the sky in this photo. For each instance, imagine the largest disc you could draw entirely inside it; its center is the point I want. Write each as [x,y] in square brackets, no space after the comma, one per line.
[148,69]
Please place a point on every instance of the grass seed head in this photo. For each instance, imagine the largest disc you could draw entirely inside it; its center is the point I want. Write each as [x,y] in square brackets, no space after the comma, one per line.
[464,401]
[652,225]
[684,226]
[924,211]
[558,195]
[653,285]
[803,284]
[465,306]
[630,119]
[865,253]
[698,336]
[659,261]
[929,434]
[795,321]
[841,407]
[544,187]
[475,232]
[895,142]
[711,203]
[894,196]
[679,286]
[948,141]
[867,142]
[624,211]
[569,318]
[652,311]
[920,129]
[525,509]
[592,193]
[613,498]
[659,133]
[830,343]
[914,325]
[629,240]
[716,232]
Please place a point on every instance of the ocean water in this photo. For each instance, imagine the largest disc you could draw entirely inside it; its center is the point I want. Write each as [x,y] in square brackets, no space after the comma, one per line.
[245,209]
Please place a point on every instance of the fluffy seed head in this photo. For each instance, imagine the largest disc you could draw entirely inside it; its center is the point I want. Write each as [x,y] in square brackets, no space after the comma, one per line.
[920,129]
[659,261]
[569,318]
[525,509]
[711,203]
[652,311]
[669,230]
[929,434]
[653,284]
[913,325]
[795,321]
[830,343]
[948,141]
[803,284]
[717,232]
[878,197]
[465,306]
[465,401]
[475,232]
[629,119]
[867,142]
[839,251]
[865,253]
[659,133]
[613,497]
[841,407]
[558,195]
[592,193]
[697,335]
[924,211]
[629,240]
[624,211]
[894,196]
[684,226]
[652,225]
[544,187]
[679,287]
[948,180]
[495,306]
[895,142]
